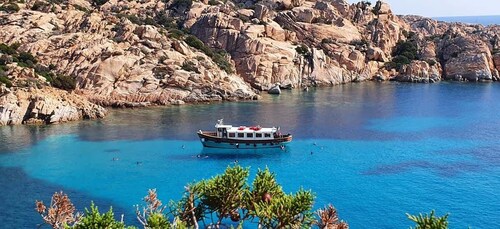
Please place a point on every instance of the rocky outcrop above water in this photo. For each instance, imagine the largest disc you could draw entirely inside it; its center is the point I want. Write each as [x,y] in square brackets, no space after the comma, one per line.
[44,106]
[115,61]
[156,52]
[420,72]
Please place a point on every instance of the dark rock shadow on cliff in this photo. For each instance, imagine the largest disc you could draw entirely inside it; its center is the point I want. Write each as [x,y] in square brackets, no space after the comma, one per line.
[18,193]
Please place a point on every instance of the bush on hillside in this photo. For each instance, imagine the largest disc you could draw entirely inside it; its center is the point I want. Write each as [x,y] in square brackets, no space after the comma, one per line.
[404,52]
[99,2]
[189,66]
[8,49]
[64,82]
[181,6]
[6,81]
[10,7]
[218,57]
[25,59]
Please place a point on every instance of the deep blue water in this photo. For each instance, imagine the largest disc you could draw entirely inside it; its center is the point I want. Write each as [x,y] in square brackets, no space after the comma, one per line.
[484,20]
[374,150]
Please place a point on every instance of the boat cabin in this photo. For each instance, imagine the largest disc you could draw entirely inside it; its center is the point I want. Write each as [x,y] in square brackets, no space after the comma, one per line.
[244,132]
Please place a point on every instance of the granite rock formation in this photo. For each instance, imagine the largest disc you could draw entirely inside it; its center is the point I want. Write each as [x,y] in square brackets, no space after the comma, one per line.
[141,53]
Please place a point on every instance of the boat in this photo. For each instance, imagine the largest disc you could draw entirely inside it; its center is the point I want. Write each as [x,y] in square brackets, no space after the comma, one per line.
[243,137]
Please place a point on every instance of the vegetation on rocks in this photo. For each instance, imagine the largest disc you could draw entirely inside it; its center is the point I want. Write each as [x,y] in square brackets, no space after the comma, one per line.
[5,80]
[404,52]
[10,54]
[189,66]
[99,2]
[219,56]
[10,7]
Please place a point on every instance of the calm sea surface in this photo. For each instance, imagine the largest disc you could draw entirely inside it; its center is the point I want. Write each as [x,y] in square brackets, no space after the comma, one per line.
[374,150]
[484,20]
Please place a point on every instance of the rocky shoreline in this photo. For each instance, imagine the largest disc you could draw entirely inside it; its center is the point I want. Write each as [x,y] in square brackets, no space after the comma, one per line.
[156,52]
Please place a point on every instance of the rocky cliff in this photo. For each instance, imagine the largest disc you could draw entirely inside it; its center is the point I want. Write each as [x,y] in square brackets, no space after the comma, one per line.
[140,53]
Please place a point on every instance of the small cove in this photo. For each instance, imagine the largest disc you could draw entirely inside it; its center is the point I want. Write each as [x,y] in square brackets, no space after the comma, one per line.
[372,149]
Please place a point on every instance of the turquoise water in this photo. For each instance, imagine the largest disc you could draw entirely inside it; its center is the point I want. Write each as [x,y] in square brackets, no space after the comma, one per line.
[374,150]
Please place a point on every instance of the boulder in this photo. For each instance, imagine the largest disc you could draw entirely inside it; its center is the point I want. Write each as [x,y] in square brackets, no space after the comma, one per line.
[261,12]
[275,90]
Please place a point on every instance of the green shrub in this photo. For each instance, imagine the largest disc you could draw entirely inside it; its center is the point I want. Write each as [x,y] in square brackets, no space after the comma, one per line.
[429,221]
[3,67]
[404,52]
[194,42]
[405,48]
[161,18]
[327,41]
[189,66]
[6,49]
[181,6]
[397,62]
[176,34]
[222,62]
[132,18]
[45,72]
[149,21]
[93,219]
[99,2]
[218,57]
[10,7]
[158,220]
[358,43]
[6,81]
[431,62]
[81,8]
[38,5]
[302,49]
[64,82]
[213,2]
[25,59]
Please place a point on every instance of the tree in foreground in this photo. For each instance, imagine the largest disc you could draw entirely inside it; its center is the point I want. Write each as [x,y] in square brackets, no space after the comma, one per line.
[429,221]
[93,219]
[213,203]
[60,213]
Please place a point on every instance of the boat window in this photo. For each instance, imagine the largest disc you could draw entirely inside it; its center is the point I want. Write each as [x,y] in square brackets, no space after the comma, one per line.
[249,135]
[232,135]
[258,135]
[267,135]
[241,135]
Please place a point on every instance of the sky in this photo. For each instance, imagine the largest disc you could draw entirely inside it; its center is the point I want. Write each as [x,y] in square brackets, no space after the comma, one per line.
[443,8]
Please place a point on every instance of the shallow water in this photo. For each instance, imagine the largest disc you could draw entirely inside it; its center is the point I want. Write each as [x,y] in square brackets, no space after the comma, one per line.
[374,150]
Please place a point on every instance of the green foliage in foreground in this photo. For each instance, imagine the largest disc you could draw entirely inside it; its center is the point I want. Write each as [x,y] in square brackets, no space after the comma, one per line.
[215,202]
[93,219]
[429,221]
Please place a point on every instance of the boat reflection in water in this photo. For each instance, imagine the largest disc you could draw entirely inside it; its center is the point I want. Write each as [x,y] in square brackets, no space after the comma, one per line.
[236,154]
